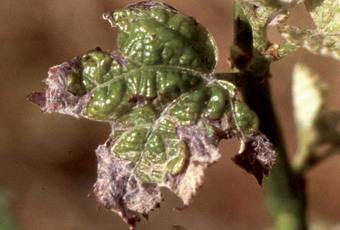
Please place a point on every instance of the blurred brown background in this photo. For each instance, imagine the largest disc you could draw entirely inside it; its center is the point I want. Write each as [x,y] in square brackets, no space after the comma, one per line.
[48,165]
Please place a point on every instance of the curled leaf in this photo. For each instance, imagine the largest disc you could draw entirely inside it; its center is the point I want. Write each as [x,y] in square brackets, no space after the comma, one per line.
[256,156]
[167,111]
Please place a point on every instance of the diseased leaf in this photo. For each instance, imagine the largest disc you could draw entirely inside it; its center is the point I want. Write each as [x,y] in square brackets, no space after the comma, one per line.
[260,17]
[167,111]
[256,156]
[326,14]
[262,14]
[317,42]
[325,39]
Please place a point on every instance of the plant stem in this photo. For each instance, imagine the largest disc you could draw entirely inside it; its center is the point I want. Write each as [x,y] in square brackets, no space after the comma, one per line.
[234,78]
[285,190]
[313,159]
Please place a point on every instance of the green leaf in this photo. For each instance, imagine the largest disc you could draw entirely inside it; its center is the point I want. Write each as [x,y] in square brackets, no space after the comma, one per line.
[167,110]
[154,33]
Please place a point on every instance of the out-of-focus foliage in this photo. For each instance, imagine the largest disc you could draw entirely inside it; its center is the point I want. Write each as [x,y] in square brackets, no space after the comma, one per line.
[309,96]
[6,220]
[315,125]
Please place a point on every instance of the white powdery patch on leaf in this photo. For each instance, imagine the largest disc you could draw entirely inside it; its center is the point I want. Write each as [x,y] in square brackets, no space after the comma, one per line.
[57,97]
[119,189]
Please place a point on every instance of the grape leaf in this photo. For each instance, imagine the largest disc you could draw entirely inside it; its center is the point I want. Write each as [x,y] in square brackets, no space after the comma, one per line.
[325,39]
[325,13]
[315,41]
[262,14]
[167,110]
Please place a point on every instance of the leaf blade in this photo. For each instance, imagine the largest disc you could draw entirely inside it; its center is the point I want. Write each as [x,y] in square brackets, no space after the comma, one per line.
[167,114]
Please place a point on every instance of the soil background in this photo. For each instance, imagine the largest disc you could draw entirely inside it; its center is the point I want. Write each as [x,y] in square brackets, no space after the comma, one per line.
[48,164]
